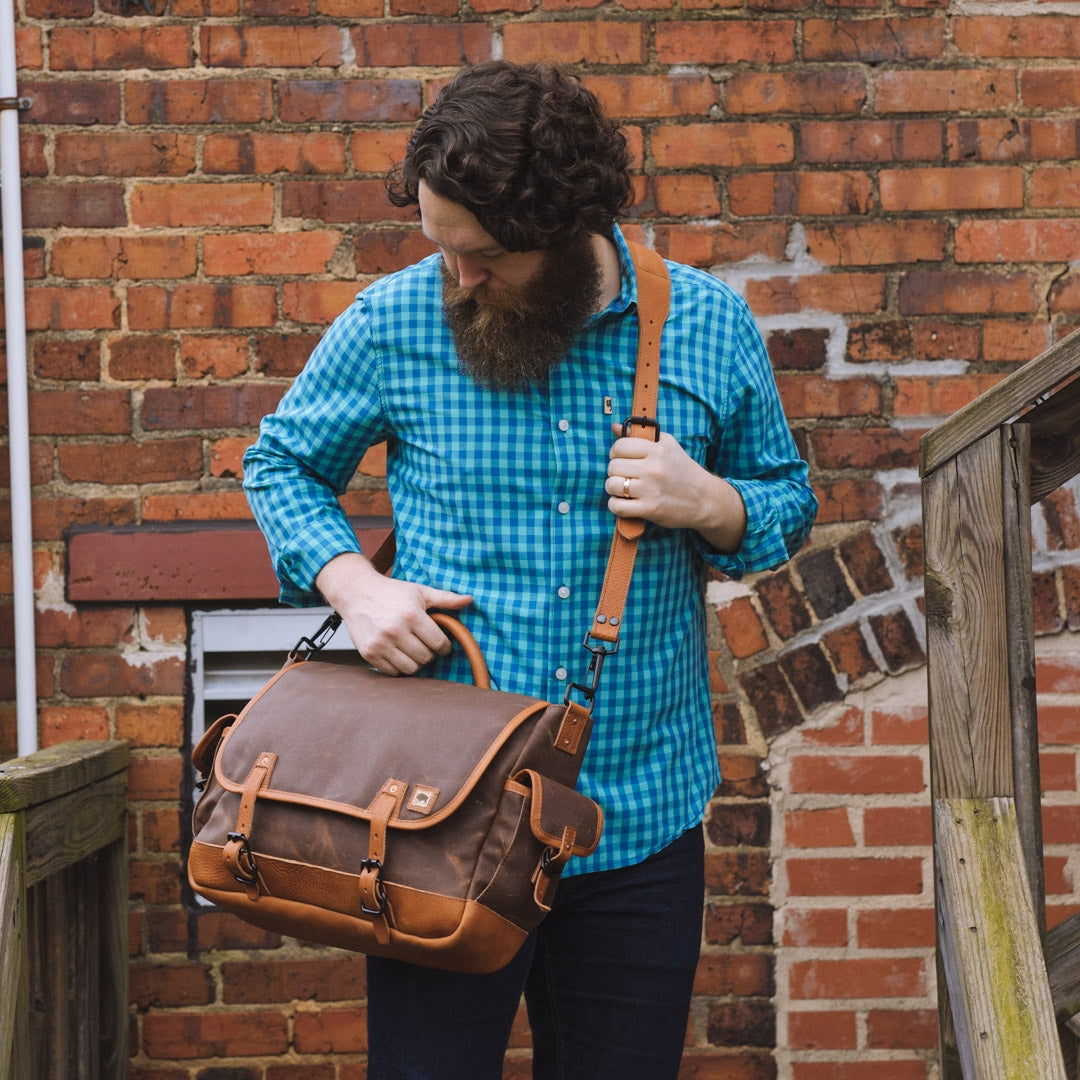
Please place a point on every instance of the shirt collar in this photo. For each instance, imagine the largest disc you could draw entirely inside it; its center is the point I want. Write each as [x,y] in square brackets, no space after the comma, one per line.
[627,295]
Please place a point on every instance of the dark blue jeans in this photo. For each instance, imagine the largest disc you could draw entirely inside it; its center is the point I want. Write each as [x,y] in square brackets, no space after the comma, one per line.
[607,979]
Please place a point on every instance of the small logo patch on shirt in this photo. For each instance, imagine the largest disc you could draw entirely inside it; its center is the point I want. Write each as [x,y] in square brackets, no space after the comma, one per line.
[607,406]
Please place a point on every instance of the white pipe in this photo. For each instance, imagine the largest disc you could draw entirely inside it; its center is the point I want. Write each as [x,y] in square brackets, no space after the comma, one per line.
[22,540]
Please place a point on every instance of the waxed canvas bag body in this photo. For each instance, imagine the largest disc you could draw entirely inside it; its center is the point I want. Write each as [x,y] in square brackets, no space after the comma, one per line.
[412,817]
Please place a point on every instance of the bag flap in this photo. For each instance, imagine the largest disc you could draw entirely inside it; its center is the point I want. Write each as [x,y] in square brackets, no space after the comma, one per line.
[340,731]
[562,817]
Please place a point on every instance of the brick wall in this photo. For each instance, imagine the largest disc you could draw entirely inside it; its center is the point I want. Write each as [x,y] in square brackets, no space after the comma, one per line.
[894,188]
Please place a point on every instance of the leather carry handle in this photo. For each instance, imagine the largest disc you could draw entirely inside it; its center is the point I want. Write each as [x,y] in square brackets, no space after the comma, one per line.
[654,293]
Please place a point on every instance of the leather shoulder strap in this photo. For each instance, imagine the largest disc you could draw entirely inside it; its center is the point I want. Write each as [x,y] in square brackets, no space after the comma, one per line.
[654,292]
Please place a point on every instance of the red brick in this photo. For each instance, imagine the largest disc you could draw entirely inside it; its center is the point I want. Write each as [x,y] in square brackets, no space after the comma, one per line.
[142,357]
[73,102]
[848,500]
[817,92]
[742,974]
[192,408]
[154,461]
[769,41]
[906,727]
[150,725]
[124,154]
[933,292]
[818,828]
[124,257]
[1008,36]
[1055,187]
[845,730]
[710,245]
[898,928]
[863,141]
[853,774]
[897,826]
[343,201]
[375,151]
[183,1036]
[742,628]
[747,923]
[654,96]
[942,91]
[902,1029]
[97,48]
[983,187]
[227,46]
[939,396]
[73,206]
[723,145]
[221,355]
[865,448]
[756,194]
[330,1031]
[1059,724]
[858,244]
[810,928]
[874,40]
[840,980]
[69,358]
[350,102]
[199,101]
[822,1029]
[212,506]
[117,675]
[77,412]
[1043,240]
[171,985]
[811,396]
[157,777]
[263,153]
[420,45]
[318,302]
[841,293]
[153,307]
[1050,87]
[194,204]
[255,982]
[282,253]
[1015,342]
[60,724]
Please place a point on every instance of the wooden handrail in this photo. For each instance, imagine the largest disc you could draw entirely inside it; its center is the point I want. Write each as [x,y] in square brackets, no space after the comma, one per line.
[63,899]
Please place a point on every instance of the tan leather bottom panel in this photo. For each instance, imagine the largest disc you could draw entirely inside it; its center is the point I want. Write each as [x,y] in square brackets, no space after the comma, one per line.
[425,928]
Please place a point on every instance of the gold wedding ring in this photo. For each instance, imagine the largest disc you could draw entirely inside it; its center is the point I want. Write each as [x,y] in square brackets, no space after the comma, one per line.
[626,487]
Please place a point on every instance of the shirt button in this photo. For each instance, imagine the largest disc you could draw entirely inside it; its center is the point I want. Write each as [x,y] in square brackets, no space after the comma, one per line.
[564,425]
[564,508]
[564,591]
[560,673]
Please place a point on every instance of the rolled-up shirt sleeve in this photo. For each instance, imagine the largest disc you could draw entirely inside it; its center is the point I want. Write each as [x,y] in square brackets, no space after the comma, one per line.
[308,451]
[756,454]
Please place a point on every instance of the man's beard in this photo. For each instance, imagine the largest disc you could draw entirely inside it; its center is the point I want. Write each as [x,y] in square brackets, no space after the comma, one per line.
[523,333]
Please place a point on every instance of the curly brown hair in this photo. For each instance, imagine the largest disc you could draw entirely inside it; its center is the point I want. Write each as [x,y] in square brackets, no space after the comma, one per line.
[526,149]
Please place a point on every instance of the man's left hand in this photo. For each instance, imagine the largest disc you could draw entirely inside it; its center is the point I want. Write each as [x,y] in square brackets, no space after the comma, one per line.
[660,482]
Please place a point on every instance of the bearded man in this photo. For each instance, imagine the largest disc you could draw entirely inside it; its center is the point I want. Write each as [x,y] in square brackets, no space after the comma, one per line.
[497,371]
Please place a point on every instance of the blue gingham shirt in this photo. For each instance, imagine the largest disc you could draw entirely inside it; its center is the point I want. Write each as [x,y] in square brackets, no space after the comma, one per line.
[501,495]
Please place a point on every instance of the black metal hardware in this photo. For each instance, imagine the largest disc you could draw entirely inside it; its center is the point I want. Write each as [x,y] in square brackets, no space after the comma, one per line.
[380,890]
[308,645]
[641,421]
[251,877]
[592,676]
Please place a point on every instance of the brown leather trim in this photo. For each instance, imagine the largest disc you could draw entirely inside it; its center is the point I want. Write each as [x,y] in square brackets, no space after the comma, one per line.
[462,935]
[574,727]
[363,813]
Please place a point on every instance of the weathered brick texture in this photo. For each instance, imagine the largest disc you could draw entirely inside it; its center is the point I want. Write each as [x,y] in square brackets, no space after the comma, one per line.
[894,189]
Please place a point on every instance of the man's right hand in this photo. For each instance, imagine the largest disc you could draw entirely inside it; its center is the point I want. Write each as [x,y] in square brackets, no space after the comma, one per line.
[387,619]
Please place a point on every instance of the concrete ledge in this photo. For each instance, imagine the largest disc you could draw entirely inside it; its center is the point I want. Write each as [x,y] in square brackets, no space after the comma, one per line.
[192,561]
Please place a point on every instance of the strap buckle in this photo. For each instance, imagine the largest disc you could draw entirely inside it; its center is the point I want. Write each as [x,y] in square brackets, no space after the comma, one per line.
[250,874]
[599,653]
[380,888]
[641,421]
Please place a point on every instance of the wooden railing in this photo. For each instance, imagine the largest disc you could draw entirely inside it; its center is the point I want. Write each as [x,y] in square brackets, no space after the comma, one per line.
[982,469]
[64,914]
